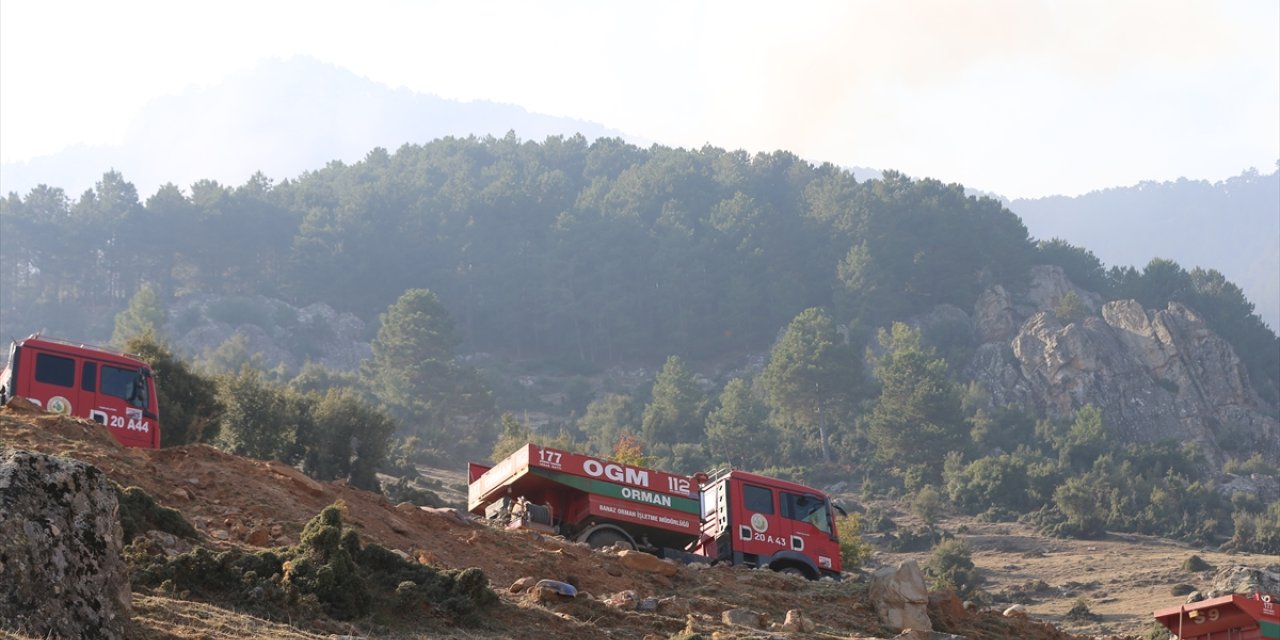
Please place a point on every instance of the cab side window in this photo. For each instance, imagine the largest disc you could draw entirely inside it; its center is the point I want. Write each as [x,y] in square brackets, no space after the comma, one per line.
[51,369]
[806,508]
[127,384]
[757,499]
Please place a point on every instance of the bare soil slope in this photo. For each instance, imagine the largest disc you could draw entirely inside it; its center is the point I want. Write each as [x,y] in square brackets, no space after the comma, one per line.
[240,503]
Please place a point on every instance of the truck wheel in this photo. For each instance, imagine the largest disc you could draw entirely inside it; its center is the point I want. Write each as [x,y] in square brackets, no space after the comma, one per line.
[605,538]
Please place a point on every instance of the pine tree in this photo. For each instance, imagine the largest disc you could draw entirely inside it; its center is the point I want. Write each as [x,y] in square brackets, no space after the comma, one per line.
[144,313]
[738,431]
[812,376]
[414,374]
[918,417]
[675,414]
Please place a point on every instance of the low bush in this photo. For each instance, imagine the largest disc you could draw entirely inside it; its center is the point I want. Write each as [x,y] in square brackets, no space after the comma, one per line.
[140,513]
[328,572]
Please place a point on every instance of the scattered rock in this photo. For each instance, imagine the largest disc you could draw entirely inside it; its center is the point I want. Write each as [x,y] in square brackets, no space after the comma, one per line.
[60,549]
[522,584]
[297,477]
[797,623]
[550,591]
[920,634]
[449,513]
[641,561]
[1016,611]
[161,542]
[673,606]
[900,597]
[626,600]
[258,537]
[743,618]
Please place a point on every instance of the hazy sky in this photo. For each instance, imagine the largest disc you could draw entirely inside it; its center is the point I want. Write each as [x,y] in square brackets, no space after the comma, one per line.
[1019,97]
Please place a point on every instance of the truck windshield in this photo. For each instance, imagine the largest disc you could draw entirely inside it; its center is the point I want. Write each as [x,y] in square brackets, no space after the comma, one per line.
[128,384]
[807,508]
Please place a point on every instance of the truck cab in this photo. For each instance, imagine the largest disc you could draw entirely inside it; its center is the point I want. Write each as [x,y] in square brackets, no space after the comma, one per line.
[754,520]
[94,383]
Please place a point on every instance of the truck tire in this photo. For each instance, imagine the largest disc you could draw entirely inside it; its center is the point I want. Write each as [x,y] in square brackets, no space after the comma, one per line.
[605,538]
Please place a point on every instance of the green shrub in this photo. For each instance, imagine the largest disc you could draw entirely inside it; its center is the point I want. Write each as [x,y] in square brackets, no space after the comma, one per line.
[1070,308]
[327,573]
[140,513]
[993,481]
[950,565]
[915,539]
[1080,611]
[927,504]
[854,551]
[1156,631]
[1255,464]
[1195,563]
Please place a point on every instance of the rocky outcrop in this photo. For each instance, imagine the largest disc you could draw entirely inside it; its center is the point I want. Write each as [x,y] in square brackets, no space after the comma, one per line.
[1241,579]
[900,598]
[61,570]
[1049,285]
[1155,374]
[275,331]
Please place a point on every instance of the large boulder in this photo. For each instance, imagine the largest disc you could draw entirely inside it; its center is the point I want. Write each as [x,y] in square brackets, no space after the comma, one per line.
[1241,579]
[61,570]
[900,597]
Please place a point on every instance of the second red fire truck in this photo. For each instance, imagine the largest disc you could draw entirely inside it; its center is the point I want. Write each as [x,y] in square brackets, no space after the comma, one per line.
[109,387]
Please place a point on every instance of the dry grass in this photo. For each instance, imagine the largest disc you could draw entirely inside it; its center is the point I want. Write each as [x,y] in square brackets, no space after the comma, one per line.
[156,618]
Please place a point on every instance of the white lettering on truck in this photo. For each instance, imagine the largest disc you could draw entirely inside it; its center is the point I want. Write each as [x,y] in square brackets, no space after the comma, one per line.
[616,472]
[647,496]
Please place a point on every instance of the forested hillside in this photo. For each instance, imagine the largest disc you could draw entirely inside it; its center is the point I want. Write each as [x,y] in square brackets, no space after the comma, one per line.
[583,254]
[900,319]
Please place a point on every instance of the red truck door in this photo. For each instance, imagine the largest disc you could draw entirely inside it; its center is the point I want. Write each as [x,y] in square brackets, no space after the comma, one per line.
[122,400]
[51,380]
[808,523]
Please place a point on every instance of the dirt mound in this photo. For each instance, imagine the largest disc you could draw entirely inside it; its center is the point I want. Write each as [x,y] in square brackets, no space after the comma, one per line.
[247,504]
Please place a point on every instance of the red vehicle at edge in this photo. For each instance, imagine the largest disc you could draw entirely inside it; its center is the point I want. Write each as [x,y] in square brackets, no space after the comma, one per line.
[94,383]
[729,516]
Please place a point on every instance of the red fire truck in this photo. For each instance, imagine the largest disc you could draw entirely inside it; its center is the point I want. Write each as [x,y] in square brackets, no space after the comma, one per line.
[95,383]
[1254,616]
[729,516]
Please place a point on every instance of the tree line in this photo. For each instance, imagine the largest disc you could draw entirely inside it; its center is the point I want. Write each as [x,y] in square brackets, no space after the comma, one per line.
[584,255]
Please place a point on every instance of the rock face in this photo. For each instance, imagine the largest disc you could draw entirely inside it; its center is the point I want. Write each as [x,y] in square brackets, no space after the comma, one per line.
[1155,375]
[274,330]
[900,598]
[1240,579]
[61,570]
